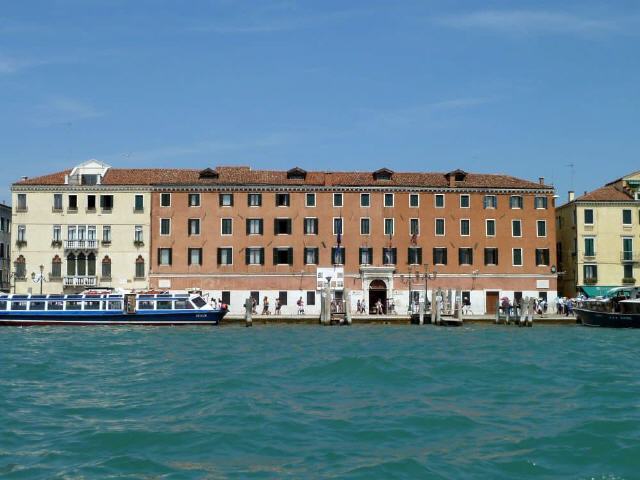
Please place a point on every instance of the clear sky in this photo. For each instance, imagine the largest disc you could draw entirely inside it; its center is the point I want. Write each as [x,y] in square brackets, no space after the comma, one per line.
[525,88]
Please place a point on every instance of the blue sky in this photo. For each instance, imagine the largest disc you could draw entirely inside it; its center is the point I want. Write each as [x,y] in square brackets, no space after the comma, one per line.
[525,88]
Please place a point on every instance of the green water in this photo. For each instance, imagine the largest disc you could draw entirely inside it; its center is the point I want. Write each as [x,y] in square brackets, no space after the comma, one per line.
[313,402]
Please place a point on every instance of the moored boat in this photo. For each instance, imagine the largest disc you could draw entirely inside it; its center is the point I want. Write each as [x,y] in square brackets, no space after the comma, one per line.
[96,308]
[620,308]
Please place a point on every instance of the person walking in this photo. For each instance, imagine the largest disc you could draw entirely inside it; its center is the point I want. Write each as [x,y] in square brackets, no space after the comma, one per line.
[300,306]
[265,306]
[278,306]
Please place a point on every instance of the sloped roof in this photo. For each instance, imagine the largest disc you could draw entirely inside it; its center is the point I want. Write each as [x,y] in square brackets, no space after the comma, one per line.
[611,192]
[247,176]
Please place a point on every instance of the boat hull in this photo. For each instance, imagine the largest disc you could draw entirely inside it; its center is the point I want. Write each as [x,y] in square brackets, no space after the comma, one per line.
[154,318]
[590,318]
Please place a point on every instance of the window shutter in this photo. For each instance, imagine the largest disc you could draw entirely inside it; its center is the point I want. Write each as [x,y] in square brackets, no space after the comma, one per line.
[246,256]
[170,256]
[275,256]
[289,226]
[275,226]
[394,253]
[496,256]
[261,227]
[219,259]
[247,223]
[315,224]
[262,256]
[200,256]
[419,253]
[159,250]
[290,256]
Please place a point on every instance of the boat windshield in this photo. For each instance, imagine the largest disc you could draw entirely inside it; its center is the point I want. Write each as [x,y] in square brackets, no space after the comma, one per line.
[198,302]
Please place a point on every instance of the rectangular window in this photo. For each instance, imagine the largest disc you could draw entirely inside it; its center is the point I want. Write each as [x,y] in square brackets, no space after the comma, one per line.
[627,249]
[194,256]
[225,256]
[589,247]
[540,202]
[282,199]
[226,297]
[283,256]
[365,226]
[491,256]
[517,257]
[490,201]
[465,256]
[73,202]
[311,255]
[91,203]
[165,226]
[588,216]
[389,256]
[464,201]
[388,199]
[414,255]
[22,233]
[57,233]
[57,202]
[164,256]
[282,297]
[254,256]
[106,202]
[137,235]
[465,227]
[254,199]
[626,216]
[194,199]
[106,234]
[590,273]
[491,228]
[193,225]
[310,226]
[440,256]
[337,199]
[165,199]
[282,226]
[311,298]
[140,270]
[310,199]
[337,255]
[255,226]
[366,255]
[337,226]
[515,201]
[414,226]
[542,228]
[56,269]
[440,227]
[365,199]
[22,202]
[226,226]
[627,271]
[542,257]
[516,228]
[414,200]
[439,200]
[225,199]
[388,226]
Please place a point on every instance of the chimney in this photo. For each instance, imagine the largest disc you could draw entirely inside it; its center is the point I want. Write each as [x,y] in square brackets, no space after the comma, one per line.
[572,195]
[541,180]
[22,179]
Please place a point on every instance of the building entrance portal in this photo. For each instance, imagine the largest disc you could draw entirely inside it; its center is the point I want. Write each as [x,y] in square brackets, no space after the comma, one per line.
[377,291]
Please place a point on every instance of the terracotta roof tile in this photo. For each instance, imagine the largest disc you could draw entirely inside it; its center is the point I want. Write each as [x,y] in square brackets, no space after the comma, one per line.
[612,192]
[247,176]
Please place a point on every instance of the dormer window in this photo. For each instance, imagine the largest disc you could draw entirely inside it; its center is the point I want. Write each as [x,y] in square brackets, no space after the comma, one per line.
[296,173]
[88,179]
[457,175]
[209,173]
[383,174]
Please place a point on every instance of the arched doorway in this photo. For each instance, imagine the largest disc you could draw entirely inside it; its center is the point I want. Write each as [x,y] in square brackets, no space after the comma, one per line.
[377,291]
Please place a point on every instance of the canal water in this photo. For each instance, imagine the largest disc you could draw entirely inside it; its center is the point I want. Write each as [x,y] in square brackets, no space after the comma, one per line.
[318,402]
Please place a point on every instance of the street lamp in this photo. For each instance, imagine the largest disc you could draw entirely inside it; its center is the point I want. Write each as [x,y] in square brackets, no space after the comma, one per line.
[426,280]
[38,278]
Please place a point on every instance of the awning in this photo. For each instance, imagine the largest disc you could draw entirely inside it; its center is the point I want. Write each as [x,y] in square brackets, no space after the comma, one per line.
[593,291]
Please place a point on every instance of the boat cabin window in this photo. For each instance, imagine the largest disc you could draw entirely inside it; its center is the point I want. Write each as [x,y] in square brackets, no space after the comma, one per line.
[74,305]
[183,304]
[92,305]
[36,306]
[55,305]
[18,305]
[145,305]
[3,304]
[164,305]
[198,302]
[114,305]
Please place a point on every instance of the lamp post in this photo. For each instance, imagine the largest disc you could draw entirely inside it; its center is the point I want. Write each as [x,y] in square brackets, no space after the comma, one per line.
[38,278]
[426,280]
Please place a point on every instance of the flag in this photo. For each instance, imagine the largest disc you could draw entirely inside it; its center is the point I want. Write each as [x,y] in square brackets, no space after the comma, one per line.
[414,239]
[339,239]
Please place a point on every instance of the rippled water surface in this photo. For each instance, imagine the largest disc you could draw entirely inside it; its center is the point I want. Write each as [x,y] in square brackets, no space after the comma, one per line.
[313,402]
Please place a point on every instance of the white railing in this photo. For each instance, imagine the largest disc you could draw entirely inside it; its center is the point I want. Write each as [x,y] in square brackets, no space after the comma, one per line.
[81,244]
[86,281]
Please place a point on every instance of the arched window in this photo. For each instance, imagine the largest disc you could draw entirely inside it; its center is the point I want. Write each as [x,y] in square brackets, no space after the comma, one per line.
[106,267]
[71,265]
[140,271]
[82,265]
[56,267]
[21,267]
[91,265]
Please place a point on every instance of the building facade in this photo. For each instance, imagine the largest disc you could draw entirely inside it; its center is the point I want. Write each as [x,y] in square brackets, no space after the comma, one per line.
[598,235]
[237,232]
[5,247]
[82,228]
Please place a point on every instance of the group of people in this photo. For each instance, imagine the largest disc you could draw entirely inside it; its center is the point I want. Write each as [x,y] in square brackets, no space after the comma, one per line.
[565,306]
[278,306]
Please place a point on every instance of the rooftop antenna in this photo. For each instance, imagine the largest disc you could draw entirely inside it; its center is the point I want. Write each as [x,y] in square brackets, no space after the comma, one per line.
[571,175]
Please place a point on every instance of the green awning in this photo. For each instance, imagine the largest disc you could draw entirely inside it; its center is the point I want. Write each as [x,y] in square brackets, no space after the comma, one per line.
[593,291]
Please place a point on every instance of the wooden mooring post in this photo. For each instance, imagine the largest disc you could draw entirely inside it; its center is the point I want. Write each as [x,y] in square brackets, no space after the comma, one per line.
[248,312]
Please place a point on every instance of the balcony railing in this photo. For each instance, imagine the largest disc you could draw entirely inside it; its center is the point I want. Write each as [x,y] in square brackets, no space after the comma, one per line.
[81,281]
[81,244]
[589,256]
[630,257]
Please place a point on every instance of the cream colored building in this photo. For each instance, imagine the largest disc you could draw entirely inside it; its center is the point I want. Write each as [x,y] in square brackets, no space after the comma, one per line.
[598,238]
[87,227]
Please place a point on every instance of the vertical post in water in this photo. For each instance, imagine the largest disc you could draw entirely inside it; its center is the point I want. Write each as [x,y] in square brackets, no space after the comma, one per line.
[248,308]
[498,312]
[523,310]
[325,307]
[439,302]
[433,306]
[421,310]
[530,308]
[347,306]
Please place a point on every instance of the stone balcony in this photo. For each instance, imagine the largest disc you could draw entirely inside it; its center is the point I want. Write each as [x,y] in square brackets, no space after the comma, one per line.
[80,281]
[81,244]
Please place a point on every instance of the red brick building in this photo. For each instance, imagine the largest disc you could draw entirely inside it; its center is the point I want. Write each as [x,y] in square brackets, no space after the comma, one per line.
[235,232]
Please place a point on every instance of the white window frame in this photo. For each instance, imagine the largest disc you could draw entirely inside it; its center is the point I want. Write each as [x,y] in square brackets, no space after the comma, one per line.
[393,226]
[416,195]
[160,228]
[160,262]
[306,200]
[465,220]
[593,216]
[630,216]
[256,249]
[368,219]
[199,200]
[435,200]
[189,234]
[419,230]
[333,225]
[468,197]
[513,264]
[226,195]
[170,199]
[338,195]
[226,234]
[362,195]
[444,227]
[545,229]
[304,226]
[584,245]
[486,227]
[384,200]
[230,248]
[512,224]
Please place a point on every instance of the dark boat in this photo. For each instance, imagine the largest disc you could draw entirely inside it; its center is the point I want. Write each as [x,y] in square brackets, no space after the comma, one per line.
[620,308]
[109,309]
